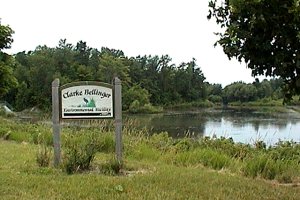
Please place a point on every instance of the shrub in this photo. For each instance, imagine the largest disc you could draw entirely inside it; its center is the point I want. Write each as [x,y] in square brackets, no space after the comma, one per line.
[215,98]
[80,151]
[134,107]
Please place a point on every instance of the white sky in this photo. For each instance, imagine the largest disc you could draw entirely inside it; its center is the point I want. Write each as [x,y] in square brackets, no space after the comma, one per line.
[178,28]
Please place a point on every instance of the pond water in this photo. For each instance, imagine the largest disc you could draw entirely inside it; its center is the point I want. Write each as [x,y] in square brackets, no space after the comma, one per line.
[241,125]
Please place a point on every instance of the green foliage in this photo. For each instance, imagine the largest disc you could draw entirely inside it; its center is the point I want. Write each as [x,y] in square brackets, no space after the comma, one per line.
[215,98]
[161,141]
[274,25]
[21,178]
[5,36]
[80,147]
[286,151]
[112,167]
[2,111]
[7,79]
[106,143]
[135,96]
[79,152]
[44,156]
[134,106]
[240,91]
[227,146]
[213,159]
[149,82]
[267,168]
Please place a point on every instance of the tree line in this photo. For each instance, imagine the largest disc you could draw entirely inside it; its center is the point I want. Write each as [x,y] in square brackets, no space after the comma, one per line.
[264,34]
[147,80]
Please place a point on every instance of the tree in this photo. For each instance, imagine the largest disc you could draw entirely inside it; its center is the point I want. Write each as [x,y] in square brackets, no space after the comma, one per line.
[239,91]
[264,88]
[135,93]
[5,36]
[7,80]
[263,33]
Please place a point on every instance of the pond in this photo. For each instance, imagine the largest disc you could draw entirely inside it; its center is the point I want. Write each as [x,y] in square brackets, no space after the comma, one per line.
[244,126]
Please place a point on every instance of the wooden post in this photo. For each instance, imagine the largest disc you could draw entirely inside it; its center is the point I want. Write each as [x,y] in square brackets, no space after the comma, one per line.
[118,118]
[55,121]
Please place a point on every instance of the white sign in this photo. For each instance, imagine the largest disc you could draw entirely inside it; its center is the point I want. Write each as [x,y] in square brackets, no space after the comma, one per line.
[86,101]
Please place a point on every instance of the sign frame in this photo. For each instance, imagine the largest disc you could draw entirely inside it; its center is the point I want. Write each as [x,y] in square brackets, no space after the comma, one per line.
[116,87]
[87,84]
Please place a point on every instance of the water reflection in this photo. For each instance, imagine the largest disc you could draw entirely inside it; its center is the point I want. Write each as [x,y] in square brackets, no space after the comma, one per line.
[242,125]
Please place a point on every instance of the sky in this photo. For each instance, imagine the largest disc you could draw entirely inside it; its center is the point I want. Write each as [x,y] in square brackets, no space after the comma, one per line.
[178,28]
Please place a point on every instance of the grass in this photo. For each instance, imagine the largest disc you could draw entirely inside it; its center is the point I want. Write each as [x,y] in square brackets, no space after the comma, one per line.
[155,167]
[21,178]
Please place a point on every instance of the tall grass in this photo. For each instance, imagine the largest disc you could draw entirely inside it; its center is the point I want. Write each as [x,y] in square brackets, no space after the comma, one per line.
[81,144]
[21,178]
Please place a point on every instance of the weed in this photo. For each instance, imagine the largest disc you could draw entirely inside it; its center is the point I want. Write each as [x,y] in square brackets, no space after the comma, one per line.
[113,167]
[44,153]
[214,159]
[80,150]
[44,156]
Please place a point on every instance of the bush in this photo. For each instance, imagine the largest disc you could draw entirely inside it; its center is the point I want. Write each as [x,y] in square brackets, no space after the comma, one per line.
[137,107]
[215,98]
[80,151]
[134,107]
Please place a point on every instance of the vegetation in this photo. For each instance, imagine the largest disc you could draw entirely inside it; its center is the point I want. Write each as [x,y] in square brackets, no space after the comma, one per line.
[151,166]
[7,79]
[21,178]
[265,34]
[149,82]
[80,146]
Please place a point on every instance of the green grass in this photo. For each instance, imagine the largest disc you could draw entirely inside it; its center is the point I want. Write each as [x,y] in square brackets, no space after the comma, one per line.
[155,167]
[21,178]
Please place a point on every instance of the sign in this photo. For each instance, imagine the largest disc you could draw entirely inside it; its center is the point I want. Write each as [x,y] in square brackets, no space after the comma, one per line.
[86,100]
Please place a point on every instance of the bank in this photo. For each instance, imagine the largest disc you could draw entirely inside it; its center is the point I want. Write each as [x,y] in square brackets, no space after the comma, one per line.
[155,166]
